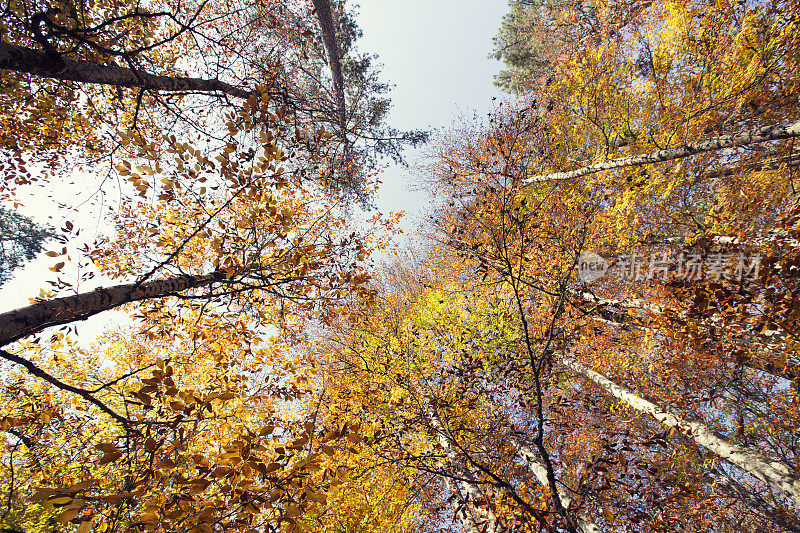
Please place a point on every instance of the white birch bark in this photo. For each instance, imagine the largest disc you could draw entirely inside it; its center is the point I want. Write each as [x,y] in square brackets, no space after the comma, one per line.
[784,130]
[456,462]
[769,340]
[461,508]
[626,303]
[767,509]
[537,469]
[729,240]
[775,474]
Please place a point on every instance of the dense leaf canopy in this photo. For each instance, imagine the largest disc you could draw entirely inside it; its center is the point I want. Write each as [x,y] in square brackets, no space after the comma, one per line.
[596,331]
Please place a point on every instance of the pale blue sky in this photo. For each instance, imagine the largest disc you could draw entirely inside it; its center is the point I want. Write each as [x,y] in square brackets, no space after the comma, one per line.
[435,52]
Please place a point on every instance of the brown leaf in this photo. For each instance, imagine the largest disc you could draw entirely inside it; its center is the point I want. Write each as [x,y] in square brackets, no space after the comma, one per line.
[68,515]
[109,457]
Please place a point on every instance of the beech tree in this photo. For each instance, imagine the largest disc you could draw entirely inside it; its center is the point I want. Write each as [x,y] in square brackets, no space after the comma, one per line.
[271,378]
[498,255]
[94,72]
[646,340]
[537,387]
[221,242]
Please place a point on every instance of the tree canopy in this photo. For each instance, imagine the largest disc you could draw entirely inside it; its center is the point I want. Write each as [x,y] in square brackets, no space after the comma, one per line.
[595,331]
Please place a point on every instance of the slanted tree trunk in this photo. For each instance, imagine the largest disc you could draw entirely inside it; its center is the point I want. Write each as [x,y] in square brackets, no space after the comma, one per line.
[772,512]
[461,508]
[31,319]
[459,468]
[585,524]
[774,132]
[530,459]
[36,62]
[775,474]
[769,340]
[626,303]
[325,18]
[30,61]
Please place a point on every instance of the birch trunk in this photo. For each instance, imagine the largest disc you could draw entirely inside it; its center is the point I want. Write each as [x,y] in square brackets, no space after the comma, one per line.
[537,469]
[784,130]
[30,61]
[769,510]
[28,320]
[460,507]
[776,475]
[770,340]
[459,467]
[627,303]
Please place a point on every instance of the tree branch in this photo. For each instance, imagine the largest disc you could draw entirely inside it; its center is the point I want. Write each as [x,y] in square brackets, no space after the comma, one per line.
[784,130]
[30,61]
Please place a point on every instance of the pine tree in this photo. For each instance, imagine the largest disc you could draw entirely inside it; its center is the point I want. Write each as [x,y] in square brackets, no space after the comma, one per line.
[20,240]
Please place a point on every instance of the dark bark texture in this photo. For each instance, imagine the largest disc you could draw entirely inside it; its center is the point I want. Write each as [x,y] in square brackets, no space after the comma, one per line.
[25,321]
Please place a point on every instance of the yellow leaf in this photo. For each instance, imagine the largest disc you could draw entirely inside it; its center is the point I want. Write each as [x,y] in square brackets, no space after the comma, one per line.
[293,511]
[42,493]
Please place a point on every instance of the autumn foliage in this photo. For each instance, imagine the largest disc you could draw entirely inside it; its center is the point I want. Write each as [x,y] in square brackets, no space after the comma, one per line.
[266,375]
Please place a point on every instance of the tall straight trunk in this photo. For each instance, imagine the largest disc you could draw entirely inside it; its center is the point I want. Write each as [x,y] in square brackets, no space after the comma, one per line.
[30,61]
[784,130]
[727,240]
[31,319]
[776,475]
[625,303]
[457,464]
[325,18]
[537,469]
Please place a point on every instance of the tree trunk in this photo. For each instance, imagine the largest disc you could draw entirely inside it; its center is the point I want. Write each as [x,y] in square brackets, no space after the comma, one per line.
[775,132]
[537,469]
[769,510]
[30,61]
[627,303]
[770,340]
[460,469]
[28,320]
[325,18]
[776,475]
[461,508]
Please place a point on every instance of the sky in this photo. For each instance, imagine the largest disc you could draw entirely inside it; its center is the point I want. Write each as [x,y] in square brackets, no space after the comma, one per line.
[434,52]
